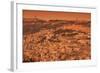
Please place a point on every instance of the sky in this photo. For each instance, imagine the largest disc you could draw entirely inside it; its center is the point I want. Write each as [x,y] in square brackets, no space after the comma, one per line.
[53,15]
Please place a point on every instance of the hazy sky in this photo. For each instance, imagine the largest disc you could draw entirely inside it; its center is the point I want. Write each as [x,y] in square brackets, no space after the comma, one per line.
[49,15]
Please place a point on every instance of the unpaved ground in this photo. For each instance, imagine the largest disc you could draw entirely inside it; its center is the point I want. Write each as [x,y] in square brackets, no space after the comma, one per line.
[56,40]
